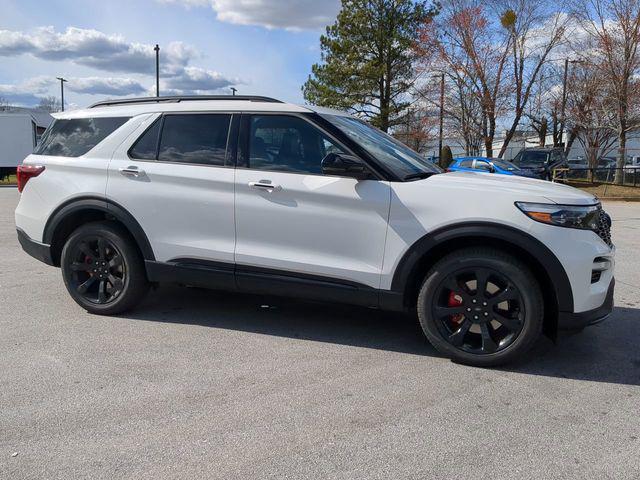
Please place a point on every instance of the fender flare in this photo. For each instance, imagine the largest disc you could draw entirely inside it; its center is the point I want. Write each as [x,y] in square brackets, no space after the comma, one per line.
[101,204]
[520,240]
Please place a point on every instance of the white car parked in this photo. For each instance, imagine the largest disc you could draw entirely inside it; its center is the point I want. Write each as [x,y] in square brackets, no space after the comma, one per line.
[255,195]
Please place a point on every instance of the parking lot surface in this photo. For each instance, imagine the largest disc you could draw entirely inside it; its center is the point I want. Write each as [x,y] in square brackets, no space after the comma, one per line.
[201,384]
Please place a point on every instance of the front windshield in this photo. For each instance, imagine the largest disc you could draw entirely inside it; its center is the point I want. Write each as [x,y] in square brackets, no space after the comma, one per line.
[394,155]
[503,164]
[530,158]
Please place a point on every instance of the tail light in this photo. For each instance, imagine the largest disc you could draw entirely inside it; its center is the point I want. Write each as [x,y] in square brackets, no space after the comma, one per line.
[26,173]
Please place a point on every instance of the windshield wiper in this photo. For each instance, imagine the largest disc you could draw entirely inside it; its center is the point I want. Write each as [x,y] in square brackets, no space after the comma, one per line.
[418,175]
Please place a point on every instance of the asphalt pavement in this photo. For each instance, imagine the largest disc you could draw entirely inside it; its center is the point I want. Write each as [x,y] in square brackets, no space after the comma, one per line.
[201,384]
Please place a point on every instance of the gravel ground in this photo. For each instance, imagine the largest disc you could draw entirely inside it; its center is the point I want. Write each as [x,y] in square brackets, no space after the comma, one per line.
[198,384]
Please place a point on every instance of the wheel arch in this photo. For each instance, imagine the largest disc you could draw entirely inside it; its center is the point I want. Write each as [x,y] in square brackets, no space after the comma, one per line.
[546,267]
[78,211]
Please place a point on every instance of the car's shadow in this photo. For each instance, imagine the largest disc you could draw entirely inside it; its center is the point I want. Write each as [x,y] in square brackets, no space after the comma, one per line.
[607,352]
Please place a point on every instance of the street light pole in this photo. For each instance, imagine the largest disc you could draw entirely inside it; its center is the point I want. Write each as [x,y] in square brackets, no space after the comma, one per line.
[157,50]
[62,80]
[233,91]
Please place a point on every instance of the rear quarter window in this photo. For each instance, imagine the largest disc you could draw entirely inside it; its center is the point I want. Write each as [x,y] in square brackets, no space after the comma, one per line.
[75,137]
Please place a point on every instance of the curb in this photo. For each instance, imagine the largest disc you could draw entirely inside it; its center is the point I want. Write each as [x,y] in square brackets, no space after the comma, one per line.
[619,199]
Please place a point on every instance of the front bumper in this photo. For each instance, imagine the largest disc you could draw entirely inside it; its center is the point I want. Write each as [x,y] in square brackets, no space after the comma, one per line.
[39,251]
[577,321]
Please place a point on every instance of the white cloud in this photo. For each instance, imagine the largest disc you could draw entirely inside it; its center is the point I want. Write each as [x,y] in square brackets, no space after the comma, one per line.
[197,79]
[94,49]
[105,86]
[111,53]
[286,14]
[32,90]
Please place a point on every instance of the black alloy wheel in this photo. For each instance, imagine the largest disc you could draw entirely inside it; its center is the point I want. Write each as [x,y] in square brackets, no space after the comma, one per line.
[481,306]
[103,269]
[479,310]
[98,270]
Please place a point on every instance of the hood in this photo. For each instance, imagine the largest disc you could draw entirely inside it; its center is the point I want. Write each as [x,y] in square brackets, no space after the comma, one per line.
[515,186]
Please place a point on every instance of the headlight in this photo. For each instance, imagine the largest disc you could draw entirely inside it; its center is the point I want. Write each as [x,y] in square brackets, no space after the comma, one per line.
[572,216]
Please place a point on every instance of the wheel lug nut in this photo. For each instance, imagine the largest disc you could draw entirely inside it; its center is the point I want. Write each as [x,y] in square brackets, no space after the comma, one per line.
[484,303]
[486,314]
[474,300]
[475,317]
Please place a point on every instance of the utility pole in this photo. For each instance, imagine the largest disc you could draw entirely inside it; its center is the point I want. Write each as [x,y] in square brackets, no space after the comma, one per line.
[62,80]
[234,90]
[564,101]
[157,50]
[441,116]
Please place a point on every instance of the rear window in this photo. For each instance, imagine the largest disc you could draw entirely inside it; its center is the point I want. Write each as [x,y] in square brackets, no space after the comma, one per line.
[75,137]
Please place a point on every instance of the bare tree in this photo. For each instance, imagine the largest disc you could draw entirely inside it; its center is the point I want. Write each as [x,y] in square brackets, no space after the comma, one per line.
[613,28]
[592,113]
[462,109]
[464,42]
[49,104]
[533,29]
[544,111]
[418,128]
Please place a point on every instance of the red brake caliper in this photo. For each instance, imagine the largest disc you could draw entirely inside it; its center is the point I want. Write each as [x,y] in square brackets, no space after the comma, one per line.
[455,300]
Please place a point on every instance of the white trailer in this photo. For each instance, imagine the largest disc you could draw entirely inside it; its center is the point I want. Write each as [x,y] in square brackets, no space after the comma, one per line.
[19,133]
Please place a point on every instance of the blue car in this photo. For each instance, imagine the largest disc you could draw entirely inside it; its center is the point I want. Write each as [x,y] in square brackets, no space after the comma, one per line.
[487,165]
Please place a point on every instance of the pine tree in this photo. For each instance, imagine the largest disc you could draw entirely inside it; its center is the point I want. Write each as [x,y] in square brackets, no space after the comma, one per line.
[366,65]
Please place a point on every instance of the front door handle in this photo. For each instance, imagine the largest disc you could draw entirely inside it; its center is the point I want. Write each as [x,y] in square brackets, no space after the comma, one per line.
[131,171]
[264,185]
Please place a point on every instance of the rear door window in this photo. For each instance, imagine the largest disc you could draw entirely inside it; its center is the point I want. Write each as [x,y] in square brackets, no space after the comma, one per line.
[75,137]
[194,138]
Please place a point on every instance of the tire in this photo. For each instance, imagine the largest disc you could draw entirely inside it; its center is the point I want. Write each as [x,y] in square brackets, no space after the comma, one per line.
[103,269]
[481,327]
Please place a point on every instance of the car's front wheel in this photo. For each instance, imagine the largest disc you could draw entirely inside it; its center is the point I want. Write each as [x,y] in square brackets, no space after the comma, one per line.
[480,306]
[102,269]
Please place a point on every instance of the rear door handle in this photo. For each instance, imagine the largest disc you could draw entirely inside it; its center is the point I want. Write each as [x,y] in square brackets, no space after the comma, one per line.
[264,185]
[131,171]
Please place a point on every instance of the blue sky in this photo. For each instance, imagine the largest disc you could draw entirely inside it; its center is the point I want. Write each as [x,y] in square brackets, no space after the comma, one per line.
[104,48]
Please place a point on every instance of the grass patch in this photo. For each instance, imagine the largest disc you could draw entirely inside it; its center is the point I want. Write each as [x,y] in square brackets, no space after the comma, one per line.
[9,181]
[606,190]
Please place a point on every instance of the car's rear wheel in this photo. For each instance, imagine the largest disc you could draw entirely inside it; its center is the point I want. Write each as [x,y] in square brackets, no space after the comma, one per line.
[102,269]
[481,307]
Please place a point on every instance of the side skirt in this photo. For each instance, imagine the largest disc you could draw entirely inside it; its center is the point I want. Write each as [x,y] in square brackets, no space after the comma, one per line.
[256,280]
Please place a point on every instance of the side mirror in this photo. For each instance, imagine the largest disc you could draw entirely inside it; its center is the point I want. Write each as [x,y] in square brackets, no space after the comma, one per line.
[343,165]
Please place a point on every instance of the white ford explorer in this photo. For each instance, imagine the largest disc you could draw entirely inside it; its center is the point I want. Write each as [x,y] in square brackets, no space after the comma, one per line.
[255,195]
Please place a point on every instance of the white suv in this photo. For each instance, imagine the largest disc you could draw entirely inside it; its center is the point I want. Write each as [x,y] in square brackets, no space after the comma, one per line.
[255,195]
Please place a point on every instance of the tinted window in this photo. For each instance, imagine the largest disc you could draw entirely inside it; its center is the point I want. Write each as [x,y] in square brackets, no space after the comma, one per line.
[530,158]
[146,148]
[504,164]
[75,137]
[287,144]
[556,156]
[194,138]
[466,163]
[482,165]
[395,155]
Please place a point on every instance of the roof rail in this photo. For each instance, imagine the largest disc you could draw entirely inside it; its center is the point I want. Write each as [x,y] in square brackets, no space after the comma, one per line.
[183,98]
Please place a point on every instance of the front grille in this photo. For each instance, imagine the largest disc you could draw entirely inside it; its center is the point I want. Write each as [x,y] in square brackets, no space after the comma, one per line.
[604,227]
